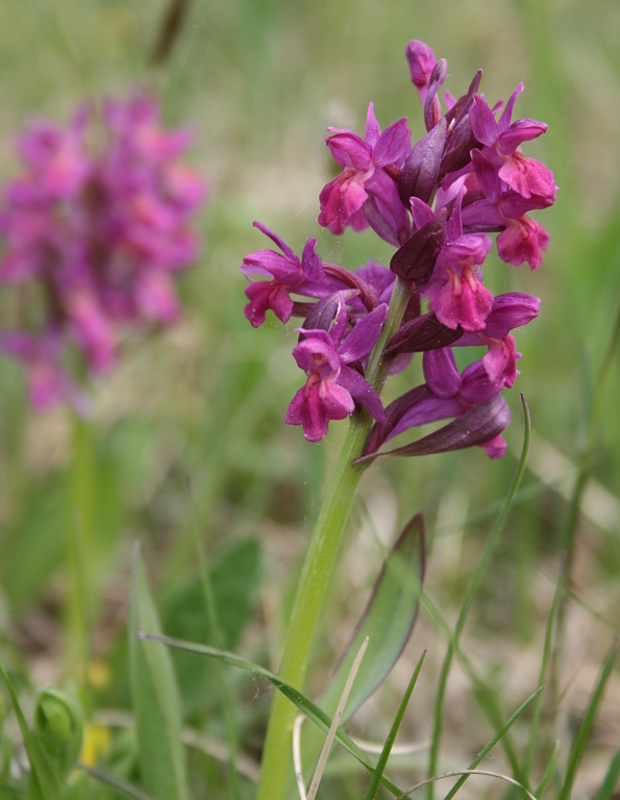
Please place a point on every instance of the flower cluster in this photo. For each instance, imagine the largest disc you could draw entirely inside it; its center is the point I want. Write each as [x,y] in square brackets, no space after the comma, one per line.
[94,236]
[435,201]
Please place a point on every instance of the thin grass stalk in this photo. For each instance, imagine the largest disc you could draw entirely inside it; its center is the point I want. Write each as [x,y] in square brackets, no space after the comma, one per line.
[534,728]
[213,625]
[318,567]
[585,729]
[467,602]
[82,591]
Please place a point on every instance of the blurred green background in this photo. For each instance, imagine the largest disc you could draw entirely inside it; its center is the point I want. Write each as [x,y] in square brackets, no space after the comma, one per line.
[189,428]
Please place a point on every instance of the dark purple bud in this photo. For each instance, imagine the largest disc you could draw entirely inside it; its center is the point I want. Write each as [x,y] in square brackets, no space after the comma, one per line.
[322,314]
[421,334]
[352,280]
[420,170]
[415,260]
[432,109]
[460,144]
[393,415]
[475,427]
[463,104]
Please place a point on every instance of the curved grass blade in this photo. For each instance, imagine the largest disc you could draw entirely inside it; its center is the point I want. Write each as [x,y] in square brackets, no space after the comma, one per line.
[44,783]
[387,621]
[156,700]
[491,744]
[304,704]
[121,786]
[375,782]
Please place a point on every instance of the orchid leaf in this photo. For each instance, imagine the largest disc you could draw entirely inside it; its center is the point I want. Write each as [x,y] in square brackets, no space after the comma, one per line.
[44,784]
[155,698]
[314,713]
[387,621]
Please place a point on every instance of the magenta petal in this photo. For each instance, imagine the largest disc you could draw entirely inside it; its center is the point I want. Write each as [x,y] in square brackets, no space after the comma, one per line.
[393,144]
[340,201]
[362,391]
[363,337]
[440,372]
[528,177]
[523,240]
[315,404]
[264,295]
[348,149]
[373,131]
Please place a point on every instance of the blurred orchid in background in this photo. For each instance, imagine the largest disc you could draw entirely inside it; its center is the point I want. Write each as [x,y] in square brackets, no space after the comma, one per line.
[93,238]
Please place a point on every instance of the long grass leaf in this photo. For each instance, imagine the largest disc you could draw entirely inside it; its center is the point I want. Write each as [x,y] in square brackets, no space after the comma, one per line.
[44,781]
[375,781]
[304,704]
[585,729]
[610,781]
[156,700]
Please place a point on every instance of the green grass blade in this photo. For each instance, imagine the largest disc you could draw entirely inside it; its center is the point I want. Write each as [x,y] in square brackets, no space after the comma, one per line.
[304,704]
[550,770]
[585,729]
[610,781]
[375,782]
[44,784]
[156,700]
[491,744]
[473,586]
[387,621]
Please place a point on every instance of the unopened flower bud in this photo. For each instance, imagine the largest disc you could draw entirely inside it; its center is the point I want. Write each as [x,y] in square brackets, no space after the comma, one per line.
[58,726]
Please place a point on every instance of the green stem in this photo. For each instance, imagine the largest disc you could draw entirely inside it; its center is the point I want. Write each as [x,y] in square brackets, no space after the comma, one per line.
[82,584]
[318,567]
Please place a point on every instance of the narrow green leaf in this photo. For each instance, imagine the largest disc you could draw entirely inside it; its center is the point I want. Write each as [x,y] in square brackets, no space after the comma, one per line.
[304,704]
[155,699]
[550,770]
[585,729]
[610,781]
[555,607]
[375,782]
[121,786]
[44,784]
[387,621]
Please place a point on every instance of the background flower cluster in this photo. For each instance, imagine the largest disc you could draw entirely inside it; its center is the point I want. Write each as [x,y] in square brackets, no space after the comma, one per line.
[93,232]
